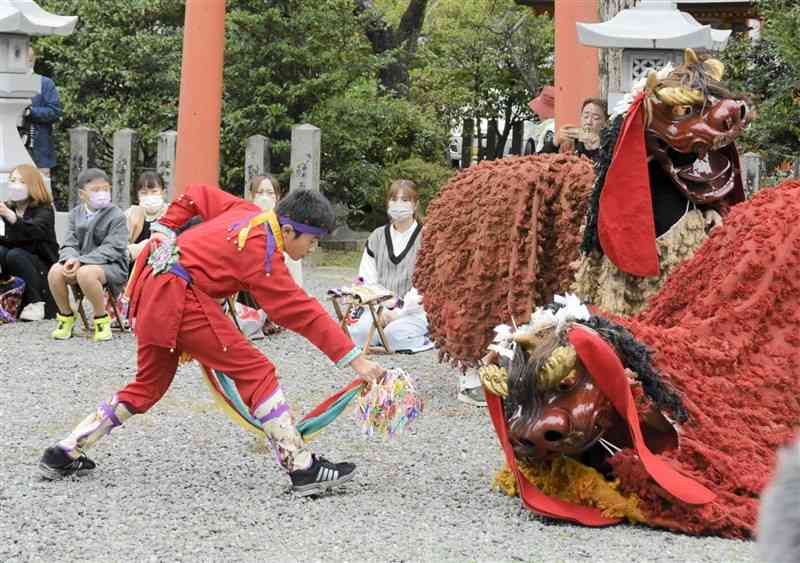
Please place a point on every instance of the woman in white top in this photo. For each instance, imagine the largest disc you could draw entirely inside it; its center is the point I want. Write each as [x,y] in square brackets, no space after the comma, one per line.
[388,261]
[265,192]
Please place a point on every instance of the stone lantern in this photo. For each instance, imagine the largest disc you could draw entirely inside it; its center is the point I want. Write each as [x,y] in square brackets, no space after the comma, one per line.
[19,20]
[650,35]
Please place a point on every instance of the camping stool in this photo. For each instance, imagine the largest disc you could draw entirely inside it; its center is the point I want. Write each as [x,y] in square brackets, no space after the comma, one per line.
[77,293]
[375,308]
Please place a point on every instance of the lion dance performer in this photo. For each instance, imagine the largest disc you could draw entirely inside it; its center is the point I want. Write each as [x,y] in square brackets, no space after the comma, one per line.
[671,418]
[174,293]
[506,235]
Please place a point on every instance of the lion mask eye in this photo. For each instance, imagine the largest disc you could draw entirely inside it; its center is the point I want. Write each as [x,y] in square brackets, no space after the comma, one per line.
[682,110]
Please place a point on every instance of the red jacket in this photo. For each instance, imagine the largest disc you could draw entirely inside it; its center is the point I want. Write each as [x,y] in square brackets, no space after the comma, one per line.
[218,269]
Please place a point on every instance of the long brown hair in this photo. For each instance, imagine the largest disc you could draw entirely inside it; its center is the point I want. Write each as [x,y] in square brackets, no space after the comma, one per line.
[255,181]
[410,188]
[37,189]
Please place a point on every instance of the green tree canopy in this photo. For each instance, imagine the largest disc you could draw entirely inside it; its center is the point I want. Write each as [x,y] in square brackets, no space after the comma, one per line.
[483,59]
[769,70]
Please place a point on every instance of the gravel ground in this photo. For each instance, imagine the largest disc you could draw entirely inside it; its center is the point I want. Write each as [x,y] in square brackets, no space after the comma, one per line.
[183,483]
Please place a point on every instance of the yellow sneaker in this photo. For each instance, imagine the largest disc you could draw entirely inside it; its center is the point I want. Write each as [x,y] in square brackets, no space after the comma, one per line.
[64,329]
[102,329]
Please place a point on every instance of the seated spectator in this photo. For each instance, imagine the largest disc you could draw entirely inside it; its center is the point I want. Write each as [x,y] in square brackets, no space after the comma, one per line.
[28,246]
[266,192]
[94,254]
[388,261]
[583,140]
[150,194]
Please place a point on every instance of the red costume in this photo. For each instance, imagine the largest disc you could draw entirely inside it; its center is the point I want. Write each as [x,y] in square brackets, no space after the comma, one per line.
[172,315]
[174,307]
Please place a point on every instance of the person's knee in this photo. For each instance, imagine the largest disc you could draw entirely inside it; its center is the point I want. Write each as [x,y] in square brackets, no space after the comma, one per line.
[88,275]
[56,273]
[17,256]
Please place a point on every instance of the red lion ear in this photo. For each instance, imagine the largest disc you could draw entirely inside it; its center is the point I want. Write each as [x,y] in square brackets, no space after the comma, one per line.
[625,224]
[608,373]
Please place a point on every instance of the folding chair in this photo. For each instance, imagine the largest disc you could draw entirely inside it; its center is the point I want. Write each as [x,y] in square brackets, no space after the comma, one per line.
[375,308]
[77,293]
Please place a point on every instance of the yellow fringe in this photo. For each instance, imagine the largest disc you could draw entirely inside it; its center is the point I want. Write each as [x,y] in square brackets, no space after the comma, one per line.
[268,217]
[572,481]
[229,410]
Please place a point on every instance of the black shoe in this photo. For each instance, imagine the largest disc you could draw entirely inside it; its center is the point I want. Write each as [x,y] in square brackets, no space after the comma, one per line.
[322,475]
[56,464]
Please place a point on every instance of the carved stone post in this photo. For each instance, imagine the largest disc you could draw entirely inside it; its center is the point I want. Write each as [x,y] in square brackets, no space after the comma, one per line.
[256,158]
[81,157]
[751,173]
[305,157]
[122,183]
[165,160]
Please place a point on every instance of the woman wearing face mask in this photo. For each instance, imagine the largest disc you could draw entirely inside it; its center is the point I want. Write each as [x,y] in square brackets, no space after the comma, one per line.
[94,254]
[388,261]
[266,192]
[152,205]
[28,246]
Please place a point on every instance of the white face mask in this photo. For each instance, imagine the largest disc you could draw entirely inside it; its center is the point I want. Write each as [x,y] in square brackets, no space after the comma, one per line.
[265,202]
[152,203]
[17,191]
[400,210]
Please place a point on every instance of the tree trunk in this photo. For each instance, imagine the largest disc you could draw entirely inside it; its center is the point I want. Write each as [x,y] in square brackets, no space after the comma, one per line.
[611,59]
[394,76]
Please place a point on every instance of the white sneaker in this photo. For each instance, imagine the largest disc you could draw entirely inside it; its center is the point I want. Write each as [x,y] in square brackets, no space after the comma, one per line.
[33,312]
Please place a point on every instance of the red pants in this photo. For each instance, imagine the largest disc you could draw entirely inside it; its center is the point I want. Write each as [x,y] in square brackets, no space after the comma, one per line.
[253,374]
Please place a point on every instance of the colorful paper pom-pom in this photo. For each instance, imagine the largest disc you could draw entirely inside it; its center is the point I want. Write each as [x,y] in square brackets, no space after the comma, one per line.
[388,406]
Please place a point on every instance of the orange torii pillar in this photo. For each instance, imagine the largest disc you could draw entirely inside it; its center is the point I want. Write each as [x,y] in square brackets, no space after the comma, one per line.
[577,67]
[200,105]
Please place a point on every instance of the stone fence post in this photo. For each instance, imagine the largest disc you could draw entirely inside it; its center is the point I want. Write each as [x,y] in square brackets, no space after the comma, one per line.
[305,160]
[751,173]
[256,159]
[796,169]
[81,157]
[124,143]
[165,160]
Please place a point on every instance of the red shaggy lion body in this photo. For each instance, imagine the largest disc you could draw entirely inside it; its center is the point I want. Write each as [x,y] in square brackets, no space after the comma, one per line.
[498,240]
[725,331]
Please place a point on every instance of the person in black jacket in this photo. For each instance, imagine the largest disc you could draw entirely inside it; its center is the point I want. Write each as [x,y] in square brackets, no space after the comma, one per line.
[28,245]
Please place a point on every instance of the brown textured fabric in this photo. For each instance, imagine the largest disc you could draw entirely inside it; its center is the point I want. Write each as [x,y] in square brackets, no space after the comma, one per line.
[500,238]
[600,283]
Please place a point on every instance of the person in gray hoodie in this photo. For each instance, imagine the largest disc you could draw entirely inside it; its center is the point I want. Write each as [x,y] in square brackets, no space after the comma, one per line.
[94,254]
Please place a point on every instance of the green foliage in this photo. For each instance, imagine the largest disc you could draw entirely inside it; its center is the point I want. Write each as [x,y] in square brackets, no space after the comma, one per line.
[428,176]
[363,135]
[483,59]
[294,61]
[120,68]
[281,61]
[769,71]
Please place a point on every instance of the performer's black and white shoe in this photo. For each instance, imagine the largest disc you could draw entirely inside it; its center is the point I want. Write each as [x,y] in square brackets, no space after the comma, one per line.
[56,464]
[320,476]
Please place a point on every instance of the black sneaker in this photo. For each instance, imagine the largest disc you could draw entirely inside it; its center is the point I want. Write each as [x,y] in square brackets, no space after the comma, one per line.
[56,464]
[322,475]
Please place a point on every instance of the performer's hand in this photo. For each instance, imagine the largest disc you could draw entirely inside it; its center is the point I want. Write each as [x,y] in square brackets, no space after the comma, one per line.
[71,265]
[367,369]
